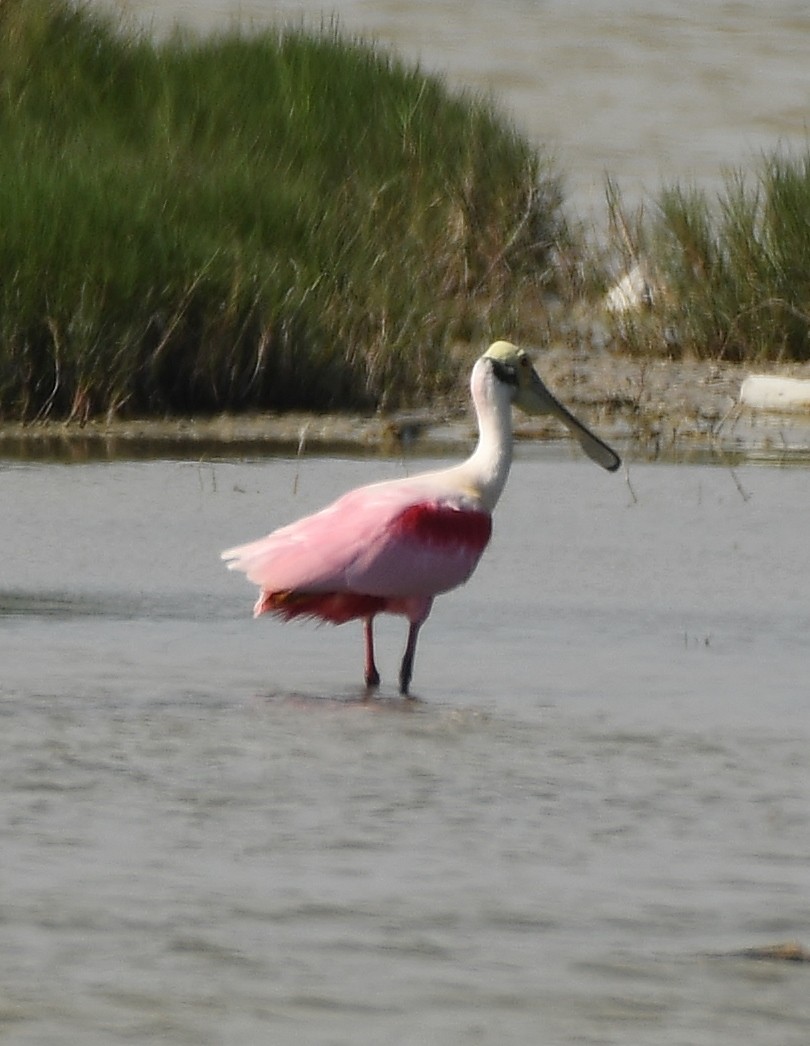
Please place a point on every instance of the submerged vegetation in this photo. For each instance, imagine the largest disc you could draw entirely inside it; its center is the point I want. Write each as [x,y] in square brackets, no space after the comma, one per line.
[284,220]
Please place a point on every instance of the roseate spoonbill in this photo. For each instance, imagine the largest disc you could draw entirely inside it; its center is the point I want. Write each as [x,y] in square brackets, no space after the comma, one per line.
[393,546]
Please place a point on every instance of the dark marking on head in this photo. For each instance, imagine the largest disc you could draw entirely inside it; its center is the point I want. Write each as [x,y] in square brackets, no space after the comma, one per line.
[504,372]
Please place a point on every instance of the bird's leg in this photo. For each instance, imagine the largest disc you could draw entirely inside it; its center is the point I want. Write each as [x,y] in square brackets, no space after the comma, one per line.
[406,670]
[372,675]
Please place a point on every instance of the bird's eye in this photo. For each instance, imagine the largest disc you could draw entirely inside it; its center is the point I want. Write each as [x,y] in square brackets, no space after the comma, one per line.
[504,372]
[524,362]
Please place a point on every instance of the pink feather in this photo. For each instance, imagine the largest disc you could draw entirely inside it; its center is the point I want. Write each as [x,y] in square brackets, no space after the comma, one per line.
[384,547]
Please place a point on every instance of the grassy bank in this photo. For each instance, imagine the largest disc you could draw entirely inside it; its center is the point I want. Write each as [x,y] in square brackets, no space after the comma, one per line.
[277,221]
[730,276]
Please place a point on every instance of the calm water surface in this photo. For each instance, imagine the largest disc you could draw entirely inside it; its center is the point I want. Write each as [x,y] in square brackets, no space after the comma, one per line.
[601,794]
[649,90]
[604,789]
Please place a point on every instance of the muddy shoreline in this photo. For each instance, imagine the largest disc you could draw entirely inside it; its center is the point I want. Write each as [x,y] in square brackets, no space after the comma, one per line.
[675,410]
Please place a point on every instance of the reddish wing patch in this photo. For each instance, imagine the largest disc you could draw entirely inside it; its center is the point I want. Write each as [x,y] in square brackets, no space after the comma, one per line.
[430,525]
[443,525]
[335,607]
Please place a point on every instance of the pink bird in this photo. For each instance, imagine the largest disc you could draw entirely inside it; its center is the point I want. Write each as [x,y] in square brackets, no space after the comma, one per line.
[391,547]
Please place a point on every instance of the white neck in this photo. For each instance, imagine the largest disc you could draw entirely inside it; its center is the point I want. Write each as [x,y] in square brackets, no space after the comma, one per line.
[488,467]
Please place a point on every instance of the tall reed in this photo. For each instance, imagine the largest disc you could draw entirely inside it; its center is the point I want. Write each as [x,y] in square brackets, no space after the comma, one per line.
[731,273]
[272,221]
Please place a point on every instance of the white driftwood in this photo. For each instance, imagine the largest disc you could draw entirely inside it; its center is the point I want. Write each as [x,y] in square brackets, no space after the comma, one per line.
[769,392]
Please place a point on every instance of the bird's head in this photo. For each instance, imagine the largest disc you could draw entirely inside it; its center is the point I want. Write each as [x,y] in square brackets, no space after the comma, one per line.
[513,368]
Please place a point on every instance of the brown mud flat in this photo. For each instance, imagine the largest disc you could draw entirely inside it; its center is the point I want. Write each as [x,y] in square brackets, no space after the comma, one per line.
[675,410]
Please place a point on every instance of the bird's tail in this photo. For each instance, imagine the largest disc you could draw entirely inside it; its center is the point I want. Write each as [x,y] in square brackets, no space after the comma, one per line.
[335,607]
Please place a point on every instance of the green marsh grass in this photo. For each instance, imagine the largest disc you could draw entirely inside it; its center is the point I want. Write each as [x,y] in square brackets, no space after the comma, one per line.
[284,220]
[732,273]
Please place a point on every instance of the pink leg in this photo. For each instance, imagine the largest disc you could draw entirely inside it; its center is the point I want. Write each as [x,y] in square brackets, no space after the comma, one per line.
[372,675]
[406,671]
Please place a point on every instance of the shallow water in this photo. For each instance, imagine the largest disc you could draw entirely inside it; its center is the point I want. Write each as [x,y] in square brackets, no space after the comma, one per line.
[651,91]
[602,792]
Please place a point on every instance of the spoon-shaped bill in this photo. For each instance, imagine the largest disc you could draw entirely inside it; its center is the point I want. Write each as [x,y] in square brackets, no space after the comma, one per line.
[534,398]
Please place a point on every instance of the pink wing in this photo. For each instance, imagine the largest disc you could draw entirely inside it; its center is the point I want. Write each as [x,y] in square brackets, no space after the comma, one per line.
[426,548]
[378,541]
